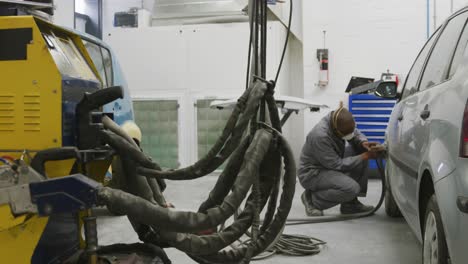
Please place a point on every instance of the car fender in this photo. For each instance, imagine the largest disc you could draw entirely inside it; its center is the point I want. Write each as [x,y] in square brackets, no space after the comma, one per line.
[438,161]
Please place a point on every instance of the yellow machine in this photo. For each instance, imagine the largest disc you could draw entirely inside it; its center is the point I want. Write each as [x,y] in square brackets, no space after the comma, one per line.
[45,116]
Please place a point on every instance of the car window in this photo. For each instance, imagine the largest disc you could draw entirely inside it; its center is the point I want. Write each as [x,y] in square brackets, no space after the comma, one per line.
[461,47]
[413,75]
[108,65]
[439,61]
[94,52]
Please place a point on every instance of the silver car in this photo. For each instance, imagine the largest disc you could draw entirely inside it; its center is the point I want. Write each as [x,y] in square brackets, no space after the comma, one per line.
[427,140]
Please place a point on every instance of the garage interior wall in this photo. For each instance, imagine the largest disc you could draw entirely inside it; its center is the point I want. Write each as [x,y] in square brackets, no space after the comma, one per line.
[179,62]
[190,63]
[364,38]
[439,10]
[64,13]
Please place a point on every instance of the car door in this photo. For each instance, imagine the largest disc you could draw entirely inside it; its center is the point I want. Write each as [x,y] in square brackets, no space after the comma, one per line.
[399,134]
[416,114]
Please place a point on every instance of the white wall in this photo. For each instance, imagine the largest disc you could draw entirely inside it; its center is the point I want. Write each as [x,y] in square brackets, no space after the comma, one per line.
[294,75]
[189,63]
[443,9]
[457,4]
[64,14]
[364,38]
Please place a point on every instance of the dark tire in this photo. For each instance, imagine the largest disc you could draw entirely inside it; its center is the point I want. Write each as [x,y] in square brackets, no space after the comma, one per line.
[434,243]
[391,207]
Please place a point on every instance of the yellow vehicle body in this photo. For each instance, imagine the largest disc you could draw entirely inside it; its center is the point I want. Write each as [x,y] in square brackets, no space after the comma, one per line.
[31,120]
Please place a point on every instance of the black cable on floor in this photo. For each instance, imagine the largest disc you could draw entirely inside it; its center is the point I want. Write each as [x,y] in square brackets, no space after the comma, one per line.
[293,245]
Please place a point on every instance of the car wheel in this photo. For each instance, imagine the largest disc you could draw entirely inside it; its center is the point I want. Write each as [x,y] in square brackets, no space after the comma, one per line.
[391,207]
[435,249]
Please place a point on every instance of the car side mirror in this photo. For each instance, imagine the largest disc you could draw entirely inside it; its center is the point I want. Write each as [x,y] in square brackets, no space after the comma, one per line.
[387,90]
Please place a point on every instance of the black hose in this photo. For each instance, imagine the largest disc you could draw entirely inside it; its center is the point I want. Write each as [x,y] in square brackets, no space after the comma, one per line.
[195,245]
[53,154]
[170,220]
[135,184]
[114,127]
[126,148]
[157,185]
[286,41]
[256,62]
[208,244]
[226,179]
[249,57]
[271,233]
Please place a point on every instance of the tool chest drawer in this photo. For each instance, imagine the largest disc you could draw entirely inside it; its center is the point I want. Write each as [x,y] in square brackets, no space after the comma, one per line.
[372,114]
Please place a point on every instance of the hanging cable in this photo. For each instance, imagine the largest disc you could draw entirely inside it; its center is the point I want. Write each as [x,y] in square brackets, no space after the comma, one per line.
[249,56]
[286,41]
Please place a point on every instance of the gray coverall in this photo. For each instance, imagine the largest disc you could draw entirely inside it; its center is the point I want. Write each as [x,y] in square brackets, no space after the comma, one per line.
[331,168]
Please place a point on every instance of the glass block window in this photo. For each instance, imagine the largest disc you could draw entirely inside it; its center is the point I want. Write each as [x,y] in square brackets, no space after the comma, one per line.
[210,125]
[158,121]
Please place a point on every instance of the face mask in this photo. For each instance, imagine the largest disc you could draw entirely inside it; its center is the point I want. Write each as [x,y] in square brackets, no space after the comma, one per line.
[348,137]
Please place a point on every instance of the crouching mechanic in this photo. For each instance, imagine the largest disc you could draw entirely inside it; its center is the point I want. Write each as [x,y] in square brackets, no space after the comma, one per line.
[333,163]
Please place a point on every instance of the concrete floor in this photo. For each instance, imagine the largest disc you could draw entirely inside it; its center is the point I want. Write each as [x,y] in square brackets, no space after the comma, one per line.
[376,239]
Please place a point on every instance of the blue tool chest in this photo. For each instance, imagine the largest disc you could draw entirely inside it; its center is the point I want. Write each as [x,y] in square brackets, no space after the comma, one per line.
[372,114]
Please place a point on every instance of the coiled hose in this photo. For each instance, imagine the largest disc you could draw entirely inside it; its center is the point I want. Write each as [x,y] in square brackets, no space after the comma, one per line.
[171,220]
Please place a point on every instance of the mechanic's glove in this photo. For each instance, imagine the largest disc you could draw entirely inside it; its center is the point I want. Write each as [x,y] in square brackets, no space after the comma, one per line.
[369,155]
[368,145]
[378,148]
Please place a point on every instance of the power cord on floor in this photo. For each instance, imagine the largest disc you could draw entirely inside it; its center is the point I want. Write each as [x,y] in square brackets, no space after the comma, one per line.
[293,245]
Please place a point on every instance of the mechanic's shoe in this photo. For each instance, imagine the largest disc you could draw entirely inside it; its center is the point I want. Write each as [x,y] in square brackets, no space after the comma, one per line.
[355,207]
[309,207]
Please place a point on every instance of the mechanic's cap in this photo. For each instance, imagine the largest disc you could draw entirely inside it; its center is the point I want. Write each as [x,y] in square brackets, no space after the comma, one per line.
[132,130]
